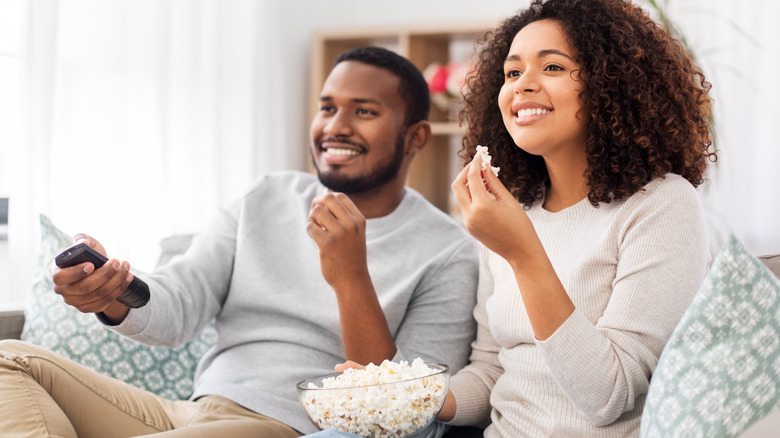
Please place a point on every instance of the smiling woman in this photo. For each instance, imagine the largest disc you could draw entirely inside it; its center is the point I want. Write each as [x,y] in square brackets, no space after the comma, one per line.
[593,236]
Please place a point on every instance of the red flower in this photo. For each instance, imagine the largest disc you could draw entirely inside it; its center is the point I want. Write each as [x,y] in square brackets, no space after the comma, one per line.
[436,75]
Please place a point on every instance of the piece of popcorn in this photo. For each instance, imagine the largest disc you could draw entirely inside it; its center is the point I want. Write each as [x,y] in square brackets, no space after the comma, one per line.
[486,158]
[356,405]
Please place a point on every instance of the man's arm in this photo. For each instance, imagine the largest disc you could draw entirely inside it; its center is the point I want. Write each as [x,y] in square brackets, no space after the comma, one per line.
[339,230]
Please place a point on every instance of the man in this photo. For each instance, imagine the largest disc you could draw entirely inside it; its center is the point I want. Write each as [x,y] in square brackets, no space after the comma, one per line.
[300,274]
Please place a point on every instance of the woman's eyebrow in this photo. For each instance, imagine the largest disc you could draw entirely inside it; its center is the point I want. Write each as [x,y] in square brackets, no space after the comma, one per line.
[540,54]
[548,52]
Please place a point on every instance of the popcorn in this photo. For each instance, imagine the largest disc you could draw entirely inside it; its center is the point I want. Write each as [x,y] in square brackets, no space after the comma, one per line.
[356,402]
[486,159]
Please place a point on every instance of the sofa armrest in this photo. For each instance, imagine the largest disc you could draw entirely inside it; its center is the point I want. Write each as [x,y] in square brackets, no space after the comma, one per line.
[772,262]
[11,321]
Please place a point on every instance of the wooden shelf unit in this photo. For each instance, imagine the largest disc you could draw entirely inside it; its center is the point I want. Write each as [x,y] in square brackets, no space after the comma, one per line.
[432,169]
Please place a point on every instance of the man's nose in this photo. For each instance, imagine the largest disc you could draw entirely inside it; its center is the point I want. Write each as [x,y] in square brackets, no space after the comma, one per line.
[339,124]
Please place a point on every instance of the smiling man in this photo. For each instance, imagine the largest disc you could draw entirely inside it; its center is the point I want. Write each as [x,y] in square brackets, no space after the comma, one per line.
[369,125]
[301,273]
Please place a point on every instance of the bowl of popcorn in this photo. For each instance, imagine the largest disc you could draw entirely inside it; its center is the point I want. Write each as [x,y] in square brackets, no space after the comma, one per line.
[387,400]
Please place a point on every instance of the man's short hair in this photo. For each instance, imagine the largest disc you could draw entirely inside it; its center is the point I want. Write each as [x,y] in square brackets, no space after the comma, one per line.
[413,87]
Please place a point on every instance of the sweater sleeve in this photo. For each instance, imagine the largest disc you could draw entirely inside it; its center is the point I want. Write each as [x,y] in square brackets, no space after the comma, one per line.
[662,259]
[471,386]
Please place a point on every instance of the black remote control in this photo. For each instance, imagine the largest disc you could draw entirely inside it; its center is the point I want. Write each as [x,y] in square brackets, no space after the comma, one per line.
[137,293]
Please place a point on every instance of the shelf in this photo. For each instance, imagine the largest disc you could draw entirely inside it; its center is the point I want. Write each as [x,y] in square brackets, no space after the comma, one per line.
[442,128]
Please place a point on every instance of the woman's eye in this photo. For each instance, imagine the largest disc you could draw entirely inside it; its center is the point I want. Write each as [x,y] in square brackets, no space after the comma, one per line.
[554,67]
[513,73]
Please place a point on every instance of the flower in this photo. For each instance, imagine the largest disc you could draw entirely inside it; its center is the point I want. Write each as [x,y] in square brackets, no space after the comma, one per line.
[436,75]
[445,82]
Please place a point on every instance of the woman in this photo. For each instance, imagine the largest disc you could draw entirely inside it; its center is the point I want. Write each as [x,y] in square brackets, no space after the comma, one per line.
[593,236]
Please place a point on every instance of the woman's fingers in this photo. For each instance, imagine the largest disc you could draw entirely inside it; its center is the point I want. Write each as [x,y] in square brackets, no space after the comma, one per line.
[460,188]
[340,368]
[494,186]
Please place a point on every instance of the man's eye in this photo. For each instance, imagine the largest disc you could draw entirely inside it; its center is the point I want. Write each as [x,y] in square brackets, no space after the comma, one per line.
[326,109]
[365,112]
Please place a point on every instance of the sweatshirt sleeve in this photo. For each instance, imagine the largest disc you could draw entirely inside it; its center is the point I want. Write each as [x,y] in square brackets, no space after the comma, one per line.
[187,293]
[438,324]
[662,259]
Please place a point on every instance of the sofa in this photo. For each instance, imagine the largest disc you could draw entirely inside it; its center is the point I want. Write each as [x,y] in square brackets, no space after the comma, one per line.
[47,321]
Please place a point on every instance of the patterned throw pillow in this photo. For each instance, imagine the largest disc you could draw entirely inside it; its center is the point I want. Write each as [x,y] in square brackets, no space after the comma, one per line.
[52,324]
[720,372]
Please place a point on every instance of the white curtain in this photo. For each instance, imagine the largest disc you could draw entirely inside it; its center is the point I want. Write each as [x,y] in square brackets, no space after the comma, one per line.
[737,44]
[135,119]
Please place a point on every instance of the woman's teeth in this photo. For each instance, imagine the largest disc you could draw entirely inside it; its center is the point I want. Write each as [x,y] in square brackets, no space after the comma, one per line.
[531,112]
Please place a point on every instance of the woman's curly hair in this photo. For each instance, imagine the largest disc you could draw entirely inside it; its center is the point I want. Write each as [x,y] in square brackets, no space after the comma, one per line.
[646,104]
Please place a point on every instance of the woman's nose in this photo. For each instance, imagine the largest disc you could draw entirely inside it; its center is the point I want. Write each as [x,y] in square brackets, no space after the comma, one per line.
[527,83]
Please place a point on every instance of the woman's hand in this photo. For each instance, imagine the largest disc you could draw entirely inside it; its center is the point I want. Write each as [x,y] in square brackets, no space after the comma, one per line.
[490,213]
[502,226]
[340,368]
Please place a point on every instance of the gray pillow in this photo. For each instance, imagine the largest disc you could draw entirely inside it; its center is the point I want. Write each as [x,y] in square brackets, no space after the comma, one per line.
[52,324]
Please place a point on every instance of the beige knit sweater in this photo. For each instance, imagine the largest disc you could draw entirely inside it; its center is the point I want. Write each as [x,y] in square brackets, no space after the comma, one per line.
[631,268]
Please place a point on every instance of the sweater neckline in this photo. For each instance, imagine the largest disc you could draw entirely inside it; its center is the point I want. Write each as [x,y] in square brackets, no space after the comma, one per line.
[580,207]
[380,224]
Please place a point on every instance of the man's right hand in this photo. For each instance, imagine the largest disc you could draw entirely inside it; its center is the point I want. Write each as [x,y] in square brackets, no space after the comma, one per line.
[93,290]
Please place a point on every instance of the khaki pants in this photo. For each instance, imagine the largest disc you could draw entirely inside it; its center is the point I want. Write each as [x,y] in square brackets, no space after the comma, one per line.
[45,395]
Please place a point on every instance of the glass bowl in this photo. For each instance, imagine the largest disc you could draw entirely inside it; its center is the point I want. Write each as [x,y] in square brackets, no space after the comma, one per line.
[402,408]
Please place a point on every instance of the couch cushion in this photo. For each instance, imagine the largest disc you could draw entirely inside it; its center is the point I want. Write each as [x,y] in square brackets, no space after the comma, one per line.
[51,323]
[720,371]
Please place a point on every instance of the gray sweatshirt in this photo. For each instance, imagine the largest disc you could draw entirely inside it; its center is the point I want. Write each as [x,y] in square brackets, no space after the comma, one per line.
[256,270]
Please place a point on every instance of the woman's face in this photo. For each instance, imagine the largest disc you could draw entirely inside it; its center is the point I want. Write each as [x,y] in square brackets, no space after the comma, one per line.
[539,100]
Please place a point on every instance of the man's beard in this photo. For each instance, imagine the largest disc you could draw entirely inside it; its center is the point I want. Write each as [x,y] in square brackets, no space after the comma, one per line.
[370,179]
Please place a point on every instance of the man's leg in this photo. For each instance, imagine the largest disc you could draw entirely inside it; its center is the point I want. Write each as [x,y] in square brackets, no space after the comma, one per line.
[45,395]
[213,416]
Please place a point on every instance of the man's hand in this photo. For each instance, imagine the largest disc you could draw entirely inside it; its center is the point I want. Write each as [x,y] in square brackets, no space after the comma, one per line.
[339,230]
[93,290]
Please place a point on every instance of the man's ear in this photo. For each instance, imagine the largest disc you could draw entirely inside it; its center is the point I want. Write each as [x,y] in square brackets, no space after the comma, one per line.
[417,137]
